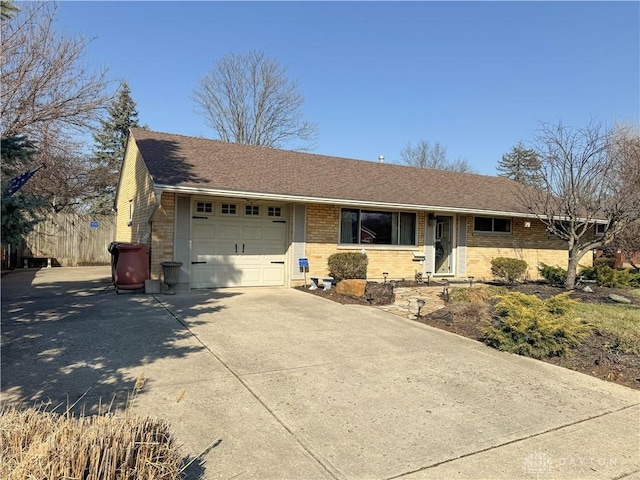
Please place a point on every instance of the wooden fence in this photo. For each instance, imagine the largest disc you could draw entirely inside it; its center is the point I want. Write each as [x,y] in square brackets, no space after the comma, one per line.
[71,239]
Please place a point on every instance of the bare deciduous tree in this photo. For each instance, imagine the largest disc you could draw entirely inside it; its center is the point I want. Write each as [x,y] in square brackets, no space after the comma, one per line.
[66,177]
[43,78]
[425,155]
[587,174]
[248,99]
[47,94]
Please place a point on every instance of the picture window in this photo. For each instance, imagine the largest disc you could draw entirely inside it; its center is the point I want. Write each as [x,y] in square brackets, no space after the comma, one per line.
[377,227]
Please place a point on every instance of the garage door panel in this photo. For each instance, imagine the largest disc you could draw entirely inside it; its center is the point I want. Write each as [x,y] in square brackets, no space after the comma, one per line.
[215,275]
[273,276]
[274,233]
[252,232]
[250,260]
[228,231]
[203,230]
[237,252]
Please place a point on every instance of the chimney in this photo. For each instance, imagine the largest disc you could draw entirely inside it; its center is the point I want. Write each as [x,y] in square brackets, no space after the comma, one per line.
[381,159]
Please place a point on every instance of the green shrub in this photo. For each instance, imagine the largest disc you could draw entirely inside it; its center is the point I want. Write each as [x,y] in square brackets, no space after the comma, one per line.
[610,277]
[588,272]
[536,328]
[348,265]
[604,261]
[553,275]
[508,269]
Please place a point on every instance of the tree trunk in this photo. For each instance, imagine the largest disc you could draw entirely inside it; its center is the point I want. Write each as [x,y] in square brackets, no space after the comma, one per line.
[572,268]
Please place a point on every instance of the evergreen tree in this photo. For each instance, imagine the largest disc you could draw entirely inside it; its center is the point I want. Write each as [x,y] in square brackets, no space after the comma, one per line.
[520,164]
[8,9]
[110,142]
[19,211]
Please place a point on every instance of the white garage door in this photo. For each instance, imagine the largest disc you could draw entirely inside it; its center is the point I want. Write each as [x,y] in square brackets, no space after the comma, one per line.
[237,250]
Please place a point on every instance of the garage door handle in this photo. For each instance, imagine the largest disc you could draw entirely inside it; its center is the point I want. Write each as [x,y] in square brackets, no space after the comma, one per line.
[236,248]
[197,263]
[281,263]
[243,248]
[199,217]
[279,221]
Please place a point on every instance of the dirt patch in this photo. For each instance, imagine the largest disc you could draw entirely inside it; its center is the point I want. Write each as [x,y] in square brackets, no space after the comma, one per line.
[593,356]
[375,294]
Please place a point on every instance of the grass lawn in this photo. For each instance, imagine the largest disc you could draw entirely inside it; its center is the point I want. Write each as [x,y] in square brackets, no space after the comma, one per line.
[620,321]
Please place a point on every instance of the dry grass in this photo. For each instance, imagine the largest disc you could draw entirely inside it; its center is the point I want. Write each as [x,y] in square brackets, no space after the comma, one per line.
[478,294]
[43,445]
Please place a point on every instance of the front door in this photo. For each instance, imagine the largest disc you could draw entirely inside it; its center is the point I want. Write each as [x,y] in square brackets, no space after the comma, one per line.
[444,245]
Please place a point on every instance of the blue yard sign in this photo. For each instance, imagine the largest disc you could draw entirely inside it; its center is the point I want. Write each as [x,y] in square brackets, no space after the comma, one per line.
[304,262]
[94,224]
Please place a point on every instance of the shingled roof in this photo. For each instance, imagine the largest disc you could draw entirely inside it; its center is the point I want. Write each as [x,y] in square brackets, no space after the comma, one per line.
[199,165]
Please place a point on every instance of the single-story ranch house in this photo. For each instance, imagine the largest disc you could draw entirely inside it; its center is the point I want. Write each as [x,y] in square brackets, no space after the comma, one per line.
[241,215]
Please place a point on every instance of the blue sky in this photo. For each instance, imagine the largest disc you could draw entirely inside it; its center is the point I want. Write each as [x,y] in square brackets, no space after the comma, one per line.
[475,76]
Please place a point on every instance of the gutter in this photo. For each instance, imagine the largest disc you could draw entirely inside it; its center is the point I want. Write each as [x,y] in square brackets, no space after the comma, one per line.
[338,201]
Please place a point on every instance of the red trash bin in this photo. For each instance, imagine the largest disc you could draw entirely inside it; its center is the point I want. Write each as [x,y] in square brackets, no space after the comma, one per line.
[130,266]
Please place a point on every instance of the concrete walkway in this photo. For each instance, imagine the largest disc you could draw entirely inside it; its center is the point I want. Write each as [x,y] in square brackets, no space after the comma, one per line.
[277,384]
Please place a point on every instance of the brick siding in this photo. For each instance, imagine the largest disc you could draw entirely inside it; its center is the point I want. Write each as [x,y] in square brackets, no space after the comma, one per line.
[323,223]
[532,244]
[136,187]
[162,233]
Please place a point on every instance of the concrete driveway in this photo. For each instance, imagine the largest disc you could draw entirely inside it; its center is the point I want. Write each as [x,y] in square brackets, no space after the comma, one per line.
[275,383]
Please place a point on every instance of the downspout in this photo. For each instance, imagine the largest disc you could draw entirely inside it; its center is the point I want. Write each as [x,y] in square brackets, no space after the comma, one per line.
[158,194]
[158,199]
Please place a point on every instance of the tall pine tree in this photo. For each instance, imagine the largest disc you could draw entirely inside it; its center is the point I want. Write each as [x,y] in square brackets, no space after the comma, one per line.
[108,153]
[520,164]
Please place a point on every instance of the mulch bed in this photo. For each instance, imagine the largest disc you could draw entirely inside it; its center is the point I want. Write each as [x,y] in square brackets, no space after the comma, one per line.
[593,357]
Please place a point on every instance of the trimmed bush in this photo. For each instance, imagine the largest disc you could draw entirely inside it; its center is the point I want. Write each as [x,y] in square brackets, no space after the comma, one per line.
[536,328]
[509,270]
[553,275]
[348,265]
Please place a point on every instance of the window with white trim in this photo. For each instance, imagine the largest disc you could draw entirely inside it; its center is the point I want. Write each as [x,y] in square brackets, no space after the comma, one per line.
[491,225]
[252,210]
[377,227]
[600,228]
[228,209]
[274,212]
[204,207]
